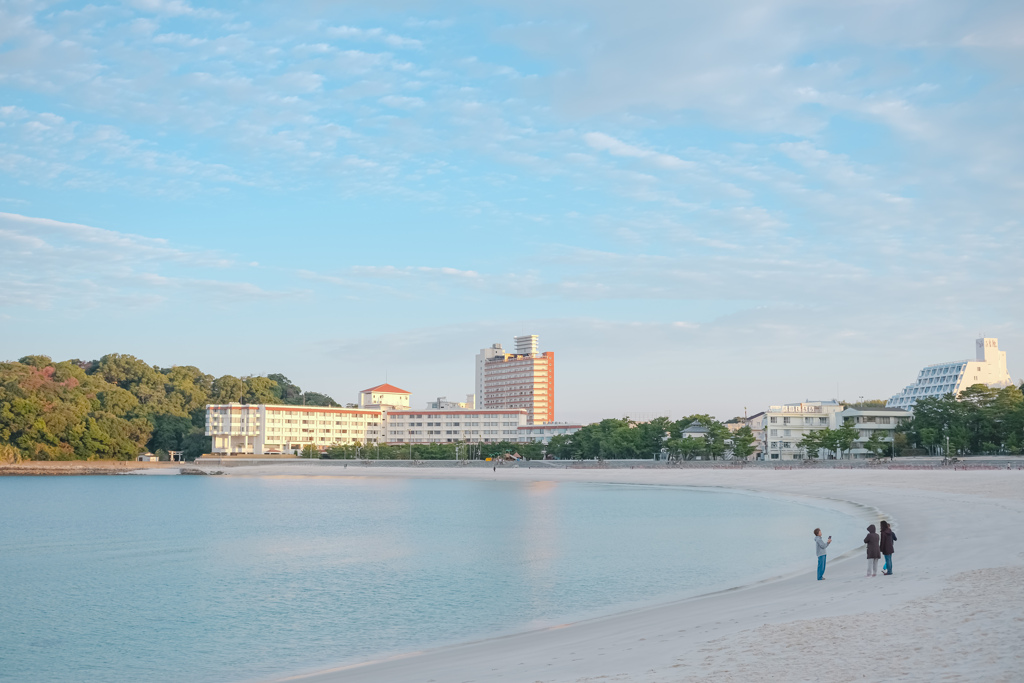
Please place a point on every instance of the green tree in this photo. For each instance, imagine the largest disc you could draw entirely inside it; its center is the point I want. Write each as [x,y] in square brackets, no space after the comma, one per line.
[743,444]
[876,443]
[313,398]
[899,442]
[813,442]
[867,405]
[844,438]
[117,401]
[188,391]
[128,372]
[168,432]
[829,440]
[561,447]
[9,455]
[717,440]
[287,393]
[259,390]
[930,437]
[36,361]
[195,444]
[227,389]
[690,448]
[57,412]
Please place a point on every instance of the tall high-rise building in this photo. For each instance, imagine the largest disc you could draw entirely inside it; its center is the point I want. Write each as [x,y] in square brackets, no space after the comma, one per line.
[524,379]
[988,367]
[485,355]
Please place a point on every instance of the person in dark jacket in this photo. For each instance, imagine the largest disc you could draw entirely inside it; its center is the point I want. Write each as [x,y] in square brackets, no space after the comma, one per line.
[886,546]
[872,540]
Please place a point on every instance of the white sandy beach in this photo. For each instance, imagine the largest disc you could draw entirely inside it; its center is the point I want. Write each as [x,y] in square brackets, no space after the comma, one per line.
[953,611]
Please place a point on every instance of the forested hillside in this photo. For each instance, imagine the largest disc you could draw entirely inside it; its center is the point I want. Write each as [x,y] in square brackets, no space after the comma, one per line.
[118,406]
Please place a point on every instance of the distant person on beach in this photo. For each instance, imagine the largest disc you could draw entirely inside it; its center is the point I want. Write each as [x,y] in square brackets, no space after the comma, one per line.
[886,546]
[822,547]
[872,540]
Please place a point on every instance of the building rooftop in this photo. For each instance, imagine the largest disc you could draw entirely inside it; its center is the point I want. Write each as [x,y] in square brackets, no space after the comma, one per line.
[877,410]
[386,388]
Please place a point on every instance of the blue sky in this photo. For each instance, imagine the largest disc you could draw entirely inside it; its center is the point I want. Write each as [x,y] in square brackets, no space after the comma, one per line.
[698,208]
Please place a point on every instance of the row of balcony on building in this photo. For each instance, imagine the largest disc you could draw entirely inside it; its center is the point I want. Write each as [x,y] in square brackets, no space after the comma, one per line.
[237,429]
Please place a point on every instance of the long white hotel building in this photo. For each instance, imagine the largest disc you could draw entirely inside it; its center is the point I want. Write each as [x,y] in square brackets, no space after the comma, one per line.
[988,367]
[385,418]
[236,428]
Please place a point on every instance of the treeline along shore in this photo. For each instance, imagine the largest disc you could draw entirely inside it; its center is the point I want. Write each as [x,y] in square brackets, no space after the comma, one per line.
[119,406]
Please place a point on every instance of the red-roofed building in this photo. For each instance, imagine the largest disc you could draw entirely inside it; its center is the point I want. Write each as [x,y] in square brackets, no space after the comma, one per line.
[384,396]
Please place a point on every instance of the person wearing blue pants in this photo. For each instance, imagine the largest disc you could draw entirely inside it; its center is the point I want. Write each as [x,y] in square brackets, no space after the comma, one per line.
[887,547]
[822,546]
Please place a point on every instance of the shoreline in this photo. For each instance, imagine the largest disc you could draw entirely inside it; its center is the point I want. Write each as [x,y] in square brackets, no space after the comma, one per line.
[118,467]
[722,635]
[59,468]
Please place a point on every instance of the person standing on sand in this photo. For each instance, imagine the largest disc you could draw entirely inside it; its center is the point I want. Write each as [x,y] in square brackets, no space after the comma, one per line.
[872,540]
[822,547]
[886,546]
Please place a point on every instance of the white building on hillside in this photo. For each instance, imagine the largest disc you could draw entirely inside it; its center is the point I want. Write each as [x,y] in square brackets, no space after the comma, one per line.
[988,367]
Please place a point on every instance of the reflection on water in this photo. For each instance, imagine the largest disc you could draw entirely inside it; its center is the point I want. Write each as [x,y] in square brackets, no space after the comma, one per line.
[230,578]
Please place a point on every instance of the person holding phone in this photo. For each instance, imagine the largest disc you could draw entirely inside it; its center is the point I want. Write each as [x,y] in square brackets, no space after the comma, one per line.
[822,546]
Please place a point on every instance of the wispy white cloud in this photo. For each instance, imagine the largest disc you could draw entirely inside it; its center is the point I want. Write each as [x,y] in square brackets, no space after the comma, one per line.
[616,147]
[175,8]
[59,265]
[390,39]
[777,165]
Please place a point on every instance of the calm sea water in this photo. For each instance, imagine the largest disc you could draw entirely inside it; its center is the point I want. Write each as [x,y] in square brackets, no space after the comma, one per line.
[226,578]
